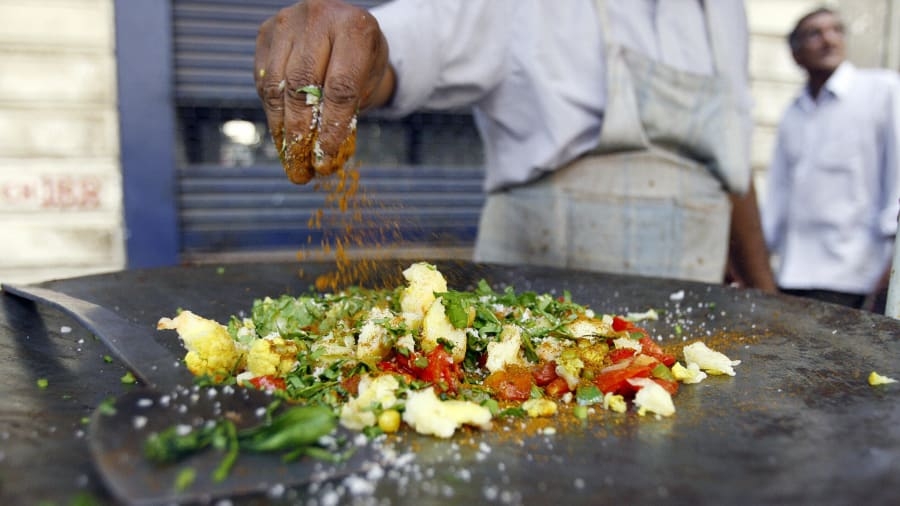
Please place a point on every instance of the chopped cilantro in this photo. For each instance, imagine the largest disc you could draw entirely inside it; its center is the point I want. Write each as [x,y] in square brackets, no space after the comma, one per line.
[107,407]
[185,478]
[42,383]
[128,378]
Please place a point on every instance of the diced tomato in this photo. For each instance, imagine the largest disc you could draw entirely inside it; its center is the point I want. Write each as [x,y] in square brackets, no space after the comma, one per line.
[511,384]
[650,347]
[615,377]
[668,386]
[557,387]
[619,354]
[544,373]
[441,370]
[619,324]
[268,383]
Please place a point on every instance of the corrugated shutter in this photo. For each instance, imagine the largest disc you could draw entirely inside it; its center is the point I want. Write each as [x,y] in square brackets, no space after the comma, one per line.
[254,208]
[214,44]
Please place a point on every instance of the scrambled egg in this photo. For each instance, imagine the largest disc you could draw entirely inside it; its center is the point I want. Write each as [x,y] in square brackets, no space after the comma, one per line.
[539,407]
[877,379]
[272,356]
[710,361]
[436,326]
[652,397]
[374,341]
[424,280]
[505,351]
[427,414]
[614,402]
[210,349]
[379,393]
[688,375]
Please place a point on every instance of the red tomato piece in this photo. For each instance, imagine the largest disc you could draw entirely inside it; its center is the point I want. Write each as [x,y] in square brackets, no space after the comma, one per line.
[615,378]
[619,324]
[441,370]
[619,354]
[268,383]
[557,387]
[668,386]
[544,373]
[650,347]
[511,384]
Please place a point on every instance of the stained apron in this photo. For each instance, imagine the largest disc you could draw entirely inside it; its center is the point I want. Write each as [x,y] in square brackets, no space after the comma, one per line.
[651,199]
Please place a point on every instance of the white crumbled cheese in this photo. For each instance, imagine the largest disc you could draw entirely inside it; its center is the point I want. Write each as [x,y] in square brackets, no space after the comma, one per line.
[688,375]
[709,360]
[506,351]
[380,391]
[652,397]
[139,422]
[677,296]
[427,414]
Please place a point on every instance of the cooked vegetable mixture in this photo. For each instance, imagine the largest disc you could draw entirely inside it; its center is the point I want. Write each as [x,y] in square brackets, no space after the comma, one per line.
[436,359]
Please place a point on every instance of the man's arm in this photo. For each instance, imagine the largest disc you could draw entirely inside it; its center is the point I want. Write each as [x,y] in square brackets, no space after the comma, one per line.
[748,256]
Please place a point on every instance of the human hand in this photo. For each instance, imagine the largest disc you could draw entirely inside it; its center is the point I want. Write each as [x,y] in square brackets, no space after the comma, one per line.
[317,64]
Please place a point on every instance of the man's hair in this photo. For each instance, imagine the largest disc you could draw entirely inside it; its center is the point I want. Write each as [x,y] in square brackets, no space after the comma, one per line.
[794,37]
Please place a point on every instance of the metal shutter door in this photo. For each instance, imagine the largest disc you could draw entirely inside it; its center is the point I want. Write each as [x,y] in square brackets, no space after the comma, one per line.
[253,208]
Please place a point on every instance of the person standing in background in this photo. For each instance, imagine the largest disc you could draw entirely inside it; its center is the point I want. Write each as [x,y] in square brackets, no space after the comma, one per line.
[616,131]
[831,206]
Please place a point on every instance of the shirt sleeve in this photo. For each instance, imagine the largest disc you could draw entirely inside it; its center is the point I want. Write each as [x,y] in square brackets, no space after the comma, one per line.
[891,163]
[446,54]
[730,37]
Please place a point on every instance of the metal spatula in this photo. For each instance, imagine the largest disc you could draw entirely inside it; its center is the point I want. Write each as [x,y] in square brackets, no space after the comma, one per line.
[119,429]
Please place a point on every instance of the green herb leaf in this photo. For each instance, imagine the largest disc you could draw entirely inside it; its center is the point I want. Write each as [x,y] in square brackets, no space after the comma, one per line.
[128,378]
[43,383]
[185,478]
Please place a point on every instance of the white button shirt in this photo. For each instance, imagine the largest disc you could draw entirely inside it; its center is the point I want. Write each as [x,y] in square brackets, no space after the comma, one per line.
[830,212]
[534,69]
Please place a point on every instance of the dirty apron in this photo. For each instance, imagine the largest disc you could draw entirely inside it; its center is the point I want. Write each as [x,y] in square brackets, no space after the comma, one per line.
[649,200]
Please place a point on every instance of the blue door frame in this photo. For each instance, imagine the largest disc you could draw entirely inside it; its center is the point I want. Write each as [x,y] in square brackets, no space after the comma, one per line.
[147,131]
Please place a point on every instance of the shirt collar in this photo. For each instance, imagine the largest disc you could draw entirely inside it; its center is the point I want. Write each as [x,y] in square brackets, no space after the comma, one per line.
[837,86]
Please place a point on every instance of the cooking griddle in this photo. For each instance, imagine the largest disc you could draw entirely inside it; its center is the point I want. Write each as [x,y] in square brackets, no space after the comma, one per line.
[798,424]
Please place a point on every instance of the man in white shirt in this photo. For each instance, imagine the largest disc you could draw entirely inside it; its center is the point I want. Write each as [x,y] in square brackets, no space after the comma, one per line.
[830,213]
[537,75]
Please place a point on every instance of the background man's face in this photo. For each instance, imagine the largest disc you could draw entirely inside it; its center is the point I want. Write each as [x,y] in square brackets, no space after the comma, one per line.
[820,43]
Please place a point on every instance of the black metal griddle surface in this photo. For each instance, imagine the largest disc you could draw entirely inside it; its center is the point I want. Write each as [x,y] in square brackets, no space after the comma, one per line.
[799,424]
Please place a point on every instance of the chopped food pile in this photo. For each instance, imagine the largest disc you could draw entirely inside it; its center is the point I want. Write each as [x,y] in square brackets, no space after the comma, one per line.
[435,359]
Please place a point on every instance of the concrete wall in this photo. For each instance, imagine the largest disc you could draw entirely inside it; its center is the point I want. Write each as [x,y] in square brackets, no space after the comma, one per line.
[60,177]
[60,189]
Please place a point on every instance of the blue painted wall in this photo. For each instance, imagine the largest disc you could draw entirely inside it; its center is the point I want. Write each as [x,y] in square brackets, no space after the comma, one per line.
[147,131]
